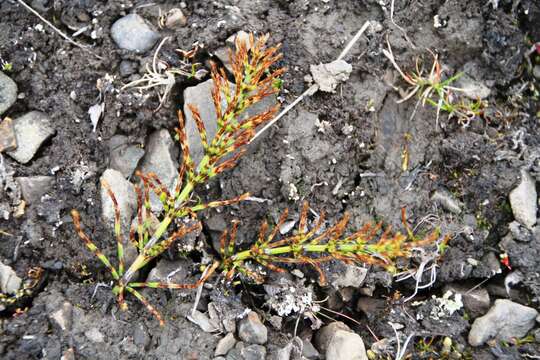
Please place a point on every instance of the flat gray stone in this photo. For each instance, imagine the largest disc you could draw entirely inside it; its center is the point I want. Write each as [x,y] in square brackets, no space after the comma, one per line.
[31,130]
[161,159]
[34,187]
[252,330]
[523,200]
[123,156]
[337,341]
[351,275]
[9,281]
[133,33]
[8,92]
[125,195]
[201,97]
[225,344]
[504,321]
[253,352]
[473,89]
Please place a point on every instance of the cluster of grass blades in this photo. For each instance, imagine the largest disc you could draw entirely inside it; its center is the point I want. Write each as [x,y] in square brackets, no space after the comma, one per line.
[254,80]
[432,88]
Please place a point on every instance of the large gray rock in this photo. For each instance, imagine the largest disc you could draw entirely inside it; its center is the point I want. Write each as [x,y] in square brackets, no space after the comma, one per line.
[504,321]
[125,196]
[337,341]
[252,330]
[201,97]
[8,92]
[9,281]
[161,159]
[133,33]
[123,156]
[523,200]
[34,187]
[31,130]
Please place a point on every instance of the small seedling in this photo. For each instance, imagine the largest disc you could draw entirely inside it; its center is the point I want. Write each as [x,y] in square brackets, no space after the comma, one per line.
[433,89]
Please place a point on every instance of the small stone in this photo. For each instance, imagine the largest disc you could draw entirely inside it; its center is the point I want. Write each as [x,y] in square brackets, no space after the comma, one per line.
[125,196]
[324,335]
[476,301]
[175,272]
[504,321]
[124,157]
[63,316]
[328,76]
[523,200]
[536,71]
[133,33]
[127,68]
[160,159]
[140,336]
[33,188]
[473,89]
[8,141]
[253,352]
[338,342]
[350,275]
[8,92]
[94,335]
[242,36]
[309,351]
[252,330]
[69,354]
[31,130]
[447,201]
[203,321]
[9,281]
[225,344]
[370,306]
[175,18]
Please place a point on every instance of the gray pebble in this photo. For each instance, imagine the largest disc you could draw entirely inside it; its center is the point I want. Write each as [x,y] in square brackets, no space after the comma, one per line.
[9,281]
[523,200]
[504,321]
[8,92]
[252,330]
[33,188]
[31,130]
[124,157]
[133,33]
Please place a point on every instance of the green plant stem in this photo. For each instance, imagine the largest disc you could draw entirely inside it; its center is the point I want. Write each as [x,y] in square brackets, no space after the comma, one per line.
[342,249]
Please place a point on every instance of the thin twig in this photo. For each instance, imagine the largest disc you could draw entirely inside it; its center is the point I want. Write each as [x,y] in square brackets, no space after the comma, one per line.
[353,41]
[58,31]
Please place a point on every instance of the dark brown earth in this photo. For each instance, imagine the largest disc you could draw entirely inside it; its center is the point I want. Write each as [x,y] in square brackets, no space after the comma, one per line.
[360,148]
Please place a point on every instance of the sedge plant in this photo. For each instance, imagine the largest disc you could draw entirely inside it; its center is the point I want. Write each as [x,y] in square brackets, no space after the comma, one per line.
[432,88]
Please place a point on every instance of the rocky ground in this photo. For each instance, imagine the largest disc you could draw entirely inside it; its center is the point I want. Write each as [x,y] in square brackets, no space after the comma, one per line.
[67,122]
